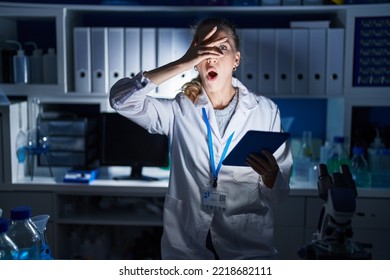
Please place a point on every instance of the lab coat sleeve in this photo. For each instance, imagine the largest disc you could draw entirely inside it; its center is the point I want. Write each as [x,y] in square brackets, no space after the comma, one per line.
[129,98]
[281,188]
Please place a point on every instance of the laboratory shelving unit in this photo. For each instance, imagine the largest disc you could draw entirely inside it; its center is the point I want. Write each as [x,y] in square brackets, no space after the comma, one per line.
[110,205]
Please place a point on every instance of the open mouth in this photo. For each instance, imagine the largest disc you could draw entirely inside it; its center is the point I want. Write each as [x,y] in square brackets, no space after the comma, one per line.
[212,74]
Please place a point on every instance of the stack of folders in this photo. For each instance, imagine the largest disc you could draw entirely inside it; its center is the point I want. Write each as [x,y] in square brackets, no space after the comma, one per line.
[103,55]
[292,61]
[274,62]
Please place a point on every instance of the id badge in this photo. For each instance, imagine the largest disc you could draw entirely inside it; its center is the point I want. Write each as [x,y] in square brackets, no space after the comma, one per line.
[212,199]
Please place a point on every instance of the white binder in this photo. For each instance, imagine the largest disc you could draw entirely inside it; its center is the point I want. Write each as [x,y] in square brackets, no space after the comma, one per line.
[99,59]
[172,44]
[317,60]
[334,61]
[116,54]
[267,61]
[165,55]
[149,50]
[182,38]
[249,60]
[132,51]
[300,61]
[283,61]
[82,58]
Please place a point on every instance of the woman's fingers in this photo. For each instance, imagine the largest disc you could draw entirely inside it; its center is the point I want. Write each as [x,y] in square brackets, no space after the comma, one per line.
[203,49]
[210,34]
[270,158]
[264,165]
[209,42]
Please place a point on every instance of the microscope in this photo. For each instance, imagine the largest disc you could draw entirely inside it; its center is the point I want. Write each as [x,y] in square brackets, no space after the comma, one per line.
[333,238]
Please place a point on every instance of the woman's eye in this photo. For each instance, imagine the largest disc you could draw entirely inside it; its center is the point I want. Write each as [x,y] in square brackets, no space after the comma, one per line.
[223,48]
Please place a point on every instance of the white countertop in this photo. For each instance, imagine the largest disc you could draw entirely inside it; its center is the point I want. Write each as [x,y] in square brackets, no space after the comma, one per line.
[150,188]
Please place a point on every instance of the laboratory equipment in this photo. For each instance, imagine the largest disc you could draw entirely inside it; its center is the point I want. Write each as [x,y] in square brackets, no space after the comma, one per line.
[40,222]
[36,64]
[333,237]
[21,139]
[303,161]
[8,249]
[379,162]
[20,64]
[50,67]
[24,233]
[338,155]
[37,145]
[359,168]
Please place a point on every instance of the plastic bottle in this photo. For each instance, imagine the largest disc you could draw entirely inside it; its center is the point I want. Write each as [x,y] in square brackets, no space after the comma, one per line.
[324,152]
[36,65]
[375,158]
[359,168]
[302,163]
[8,249]
[338,155]
[50,67]
[21,65]
[24,233]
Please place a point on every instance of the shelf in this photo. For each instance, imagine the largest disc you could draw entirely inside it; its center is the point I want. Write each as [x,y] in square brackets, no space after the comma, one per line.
[106,218]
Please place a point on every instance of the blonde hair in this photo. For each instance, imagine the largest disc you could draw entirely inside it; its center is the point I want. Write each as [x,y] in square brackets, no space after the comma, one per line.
[193,88]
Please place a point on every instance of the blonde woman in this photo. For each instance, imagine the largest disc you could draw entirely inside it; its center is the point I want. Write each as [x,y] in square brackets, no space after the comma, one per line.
[211,211]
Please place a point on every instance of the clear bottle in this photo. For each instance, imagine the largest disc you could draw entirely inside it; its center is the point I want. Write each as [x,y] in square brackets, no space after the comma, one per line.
[376,153]
[303,161]
[36,64]
[8,249]
[21,65]
[50,67]
[338,155]
[359,168]
[24,233]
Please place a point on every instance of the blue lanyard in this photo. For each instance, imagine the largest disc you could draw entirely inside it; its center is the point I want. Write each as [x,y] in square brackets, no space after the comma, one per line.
[211,150]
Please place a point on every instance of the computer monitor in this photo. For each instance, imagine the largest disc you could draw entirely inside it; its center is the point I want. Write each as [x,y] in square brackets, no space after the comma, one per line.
[124,143]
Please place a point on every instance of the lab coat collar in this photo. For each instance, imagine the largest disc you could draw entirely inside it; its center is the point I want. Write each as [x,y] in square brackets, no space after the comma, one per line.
[247,101]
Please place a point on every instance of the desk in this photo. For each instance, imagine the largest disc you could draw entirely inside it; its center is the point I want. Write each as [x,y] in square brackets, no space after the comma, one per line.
[80,208]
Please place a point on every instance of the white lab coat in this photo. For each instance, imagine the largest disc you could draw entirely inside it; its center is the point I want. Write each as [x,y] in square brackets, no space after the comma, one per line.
[245,229]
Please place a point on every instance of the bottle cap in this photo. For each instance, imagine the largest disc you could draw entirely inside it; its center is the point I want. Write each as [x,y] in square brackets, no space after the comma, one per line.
[20,213]
[358,150]
[3,225]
